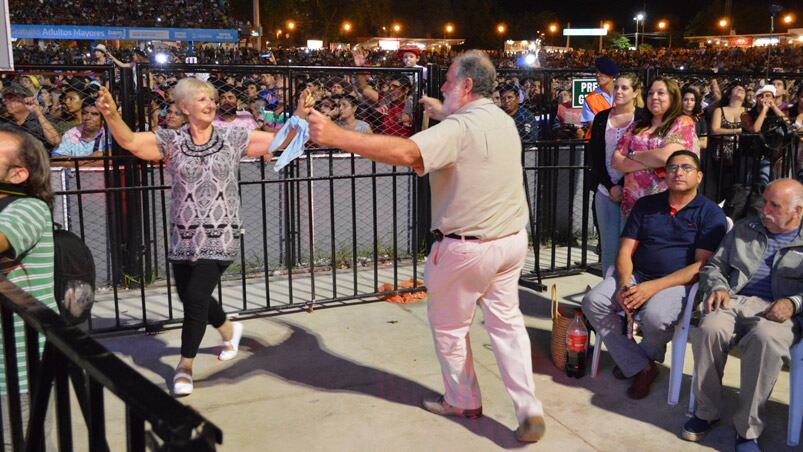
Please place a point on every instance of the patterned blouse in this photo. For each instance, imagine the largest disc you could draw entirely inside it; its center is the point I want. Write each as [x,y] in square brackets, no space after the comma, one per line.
[651,181]
[205,204]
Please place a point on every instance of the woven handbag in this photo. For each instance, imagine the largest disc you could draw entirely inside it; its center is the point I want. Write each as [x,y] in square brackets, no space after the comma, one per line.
[561,318]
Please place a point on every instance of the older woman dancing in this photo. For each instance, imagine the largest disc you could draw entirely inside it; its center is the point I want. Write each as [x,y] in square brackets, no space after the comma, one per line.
[205,207]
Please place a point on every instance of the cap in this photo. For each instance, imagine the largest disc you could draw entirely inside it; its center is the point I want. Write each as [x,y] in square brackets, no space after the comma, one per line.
[34,81]
[408,49]
[15,89]
[101,48]
[607,66]
[766,89]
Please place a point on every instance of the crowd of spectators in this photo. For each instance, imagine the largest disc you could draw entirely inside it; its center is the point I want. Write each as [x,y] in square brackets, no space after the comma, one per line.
[783,58]
[124,13]
[381,102]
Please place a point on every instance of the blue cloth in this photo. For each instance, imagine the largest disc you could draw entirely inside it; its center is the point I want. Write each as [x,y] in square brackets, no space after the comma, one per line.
[296,147]
[668,242]
[760,284]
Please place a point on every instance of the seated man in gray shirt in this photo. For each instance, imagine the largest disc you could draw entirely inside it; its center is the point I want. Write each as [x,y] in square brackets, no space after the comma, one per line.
[754,284]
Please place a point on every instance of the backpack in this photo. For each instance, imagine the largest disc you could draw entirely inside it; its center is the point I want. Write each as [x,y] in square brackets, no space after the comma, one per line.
[73,271]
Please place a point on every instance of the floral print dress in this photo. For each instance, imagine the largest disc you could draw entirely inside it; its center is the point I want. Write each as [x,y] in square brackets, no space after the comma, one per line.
[651,180]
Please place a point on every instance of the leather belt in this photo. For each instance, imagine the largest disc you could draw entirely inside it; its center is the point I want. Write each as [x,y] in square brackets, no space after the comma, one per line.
[438,235]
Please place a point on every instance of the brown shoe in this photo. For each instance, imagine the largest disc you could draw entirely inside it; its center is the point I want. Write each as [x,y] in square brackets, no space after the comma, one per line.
[439,406]
[531,430]
[642,381]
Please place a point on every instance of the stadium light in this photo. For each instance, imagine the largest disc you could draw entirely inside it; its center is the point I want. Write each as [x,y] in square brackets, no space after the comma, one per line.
[160,58]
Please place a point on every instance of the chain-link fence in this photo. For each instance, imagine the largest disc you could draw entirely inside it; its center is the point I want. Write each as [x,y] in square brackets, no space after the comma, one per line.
[48,102]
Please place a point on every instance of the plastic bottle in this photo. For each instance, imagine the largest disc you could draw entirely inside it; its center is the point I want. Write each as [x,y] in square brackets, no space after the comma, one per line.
[576,343]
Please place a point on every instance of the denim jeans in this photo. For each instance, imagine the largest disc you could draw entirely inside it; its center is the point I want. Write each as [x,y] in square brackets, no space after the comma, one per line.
[609,225]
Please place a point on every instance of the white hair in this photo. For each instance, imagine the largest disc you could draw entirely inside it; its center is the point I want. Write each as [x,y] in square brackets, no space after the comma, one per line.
[187,87]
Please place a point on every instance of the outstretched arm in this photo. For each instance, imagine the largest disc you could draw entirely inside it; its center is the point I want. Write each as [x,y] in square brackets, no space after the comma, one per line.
[141,144]
[380,148]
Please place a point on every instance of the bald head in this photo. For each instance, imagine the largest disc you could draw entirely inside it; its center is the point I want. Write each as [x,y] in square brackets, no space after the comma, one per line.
[783,206]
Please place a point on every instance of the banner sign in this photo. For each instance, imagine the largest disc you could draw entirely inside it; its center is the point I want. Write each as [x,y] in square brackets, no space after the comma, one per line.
[582,87]
[122,33]
[585,32]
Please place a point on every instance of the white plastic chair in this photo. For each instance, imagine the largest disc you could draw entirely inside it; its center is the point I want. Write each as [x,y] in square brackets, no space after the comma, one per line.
[795,395]
[679,340]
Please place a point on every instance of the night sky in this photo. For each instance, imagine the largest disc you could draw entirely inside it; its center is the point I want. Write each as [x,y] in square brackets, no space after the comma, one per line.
[476,20]
[753,15]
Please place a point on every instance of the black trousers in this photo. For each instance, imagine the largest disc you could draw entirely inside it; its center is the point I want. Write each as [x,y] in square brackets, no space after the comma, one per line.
[195,284]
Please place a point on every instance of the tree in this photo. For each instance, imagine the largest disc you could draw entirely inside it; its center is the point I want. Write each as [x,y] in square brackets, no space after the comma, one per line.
[615,41]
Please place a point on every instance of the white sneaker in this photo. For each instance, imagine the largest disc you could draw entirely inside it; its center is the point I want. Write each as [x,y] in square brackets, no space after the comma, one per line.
[234,343]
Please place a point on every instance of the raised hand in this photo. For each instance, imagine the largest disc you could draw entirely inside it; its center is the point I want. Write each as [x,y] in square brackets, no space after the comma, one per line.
[105,102]
[359,57]
[305,103]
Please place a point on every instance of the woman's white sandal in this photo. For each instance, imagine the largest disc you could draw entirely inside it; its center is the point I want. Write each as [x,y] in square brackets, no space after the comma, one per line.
[234,343]
[182,388]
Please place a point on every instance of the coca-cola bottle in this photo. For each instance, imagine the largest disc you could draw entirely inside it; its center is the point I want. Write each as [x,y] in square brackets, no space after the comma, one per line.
[576,343]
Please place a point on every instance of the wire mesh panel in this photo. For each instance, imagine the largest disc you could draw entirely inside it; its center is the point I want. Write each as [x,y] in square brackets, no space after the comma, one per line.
[47,101]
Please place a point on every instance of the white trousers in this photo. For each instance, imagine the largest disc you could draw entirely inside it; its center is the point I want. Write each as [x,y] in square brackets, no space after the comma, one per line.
[458,274]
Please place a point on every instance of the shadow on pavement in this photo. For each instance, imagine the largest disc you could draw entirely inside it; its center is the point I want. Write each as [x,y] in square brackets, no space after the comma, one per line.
[302,359]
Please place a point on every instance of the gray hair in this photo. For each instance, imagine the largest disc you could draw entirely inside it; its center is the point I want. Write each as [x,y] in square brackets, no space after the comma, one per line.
[186,88]
[476,65]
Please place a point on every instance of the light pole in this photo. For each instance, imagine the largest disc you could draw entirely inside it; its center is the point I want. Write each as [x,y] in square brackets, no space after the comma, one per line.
[553,28]
[663,27]
[607,27]
[639,17]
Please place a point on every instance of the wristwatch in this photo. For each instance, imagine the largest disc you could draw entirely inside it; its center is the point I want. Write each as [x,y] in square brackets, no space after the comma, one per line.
[631,155]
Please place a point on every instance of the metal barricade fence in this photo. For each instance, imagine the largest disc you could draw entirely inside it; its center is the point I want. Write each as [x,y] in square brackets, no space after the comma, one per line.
[80,371]
[561,222]
[330,228]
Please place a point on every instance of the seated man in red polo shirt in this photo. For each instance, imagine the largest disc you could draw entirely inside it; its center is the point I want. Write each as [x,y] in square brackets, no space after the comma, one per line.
[668,237]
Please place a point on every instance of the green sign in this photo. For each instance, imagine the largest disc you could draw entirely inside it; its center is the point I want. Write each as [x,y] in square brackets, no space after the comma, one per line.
[582,87]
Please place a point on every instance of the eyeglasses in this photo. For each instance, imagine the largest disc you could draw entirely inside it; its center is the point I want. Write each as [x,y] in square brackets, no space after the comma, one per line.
[673,168]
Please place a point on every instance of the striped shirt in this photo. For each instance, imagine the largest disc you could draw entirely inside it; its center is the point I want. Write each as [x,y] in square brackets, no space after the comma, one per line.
[760,284]
[28,227]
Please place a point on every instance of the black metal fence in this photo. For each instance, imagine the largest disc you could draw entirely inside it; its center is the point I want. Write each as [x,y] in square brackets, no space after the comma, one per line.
[78,369]
[331,228]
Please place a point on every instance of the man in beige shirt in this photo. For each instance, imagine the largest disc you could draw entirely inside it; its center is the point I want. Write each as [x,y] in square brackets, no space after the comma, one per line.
[479,212]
